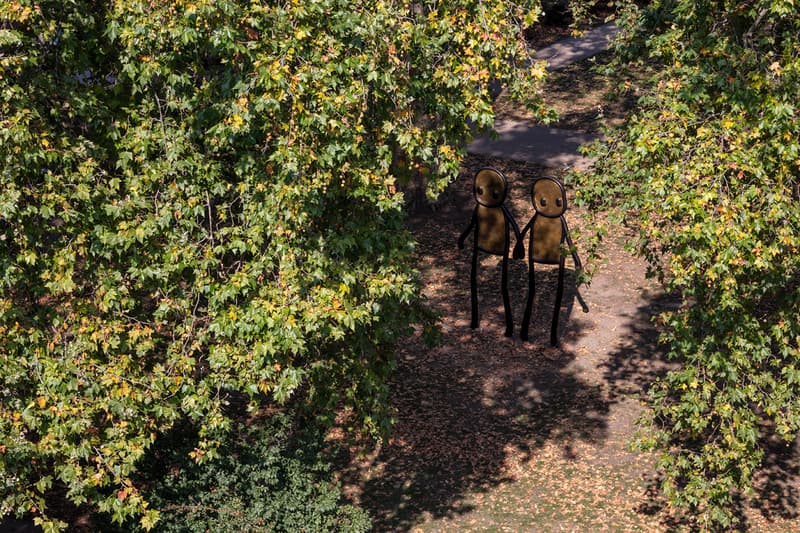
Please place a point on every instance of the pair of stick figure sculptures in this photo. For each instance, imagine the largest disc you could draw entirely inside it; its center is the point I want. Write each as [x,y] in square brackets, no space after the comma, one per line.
[491,226]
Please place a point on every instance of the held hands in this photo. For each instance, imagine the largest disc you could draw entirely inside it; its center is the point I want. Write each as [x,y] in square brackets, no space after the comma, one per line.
[519,250]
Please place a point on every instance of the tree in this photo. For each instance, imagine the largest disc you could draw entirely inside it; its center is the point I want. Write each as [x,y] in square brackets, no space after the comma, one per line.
[707,170]
[197,201]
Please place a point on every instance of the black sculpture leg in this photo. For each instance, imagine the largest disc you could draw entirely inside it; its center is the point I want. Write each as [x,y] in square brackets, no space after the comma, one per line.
[557,310]
[473,287]
[506,301]
[526,320]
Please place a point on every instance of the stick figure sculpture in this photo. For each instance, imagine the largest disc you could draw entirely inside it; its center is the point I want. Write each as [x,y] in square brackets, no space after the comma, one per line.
[549,234]
[490,225]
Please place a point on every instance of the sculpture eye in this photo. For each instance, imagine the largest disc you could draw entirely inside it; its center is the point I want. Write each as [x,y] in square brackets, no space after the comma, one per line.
[479,191]
[543,202]
[496,195]
[558,202]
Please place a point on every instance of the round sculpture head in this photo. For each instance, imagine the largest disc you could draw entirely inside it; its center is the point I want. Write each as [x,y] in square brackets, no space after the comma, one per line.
[549,197]
[489,187]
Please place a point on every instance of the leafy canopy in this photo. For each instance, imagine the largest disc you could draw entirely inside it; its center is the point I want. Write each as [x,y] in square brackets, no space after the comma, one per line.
[197,198]
[708,171]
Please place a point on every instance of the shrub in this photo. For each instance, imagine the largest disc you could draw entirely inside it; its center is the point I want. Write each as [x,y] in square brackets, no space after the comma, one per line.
[269,477]
[707,171]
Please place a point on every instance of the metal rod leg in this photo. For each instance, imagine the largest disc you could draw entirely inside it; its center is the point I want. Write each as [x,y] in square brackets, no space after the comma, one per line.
[506,299]
[473,285]
[526,320]
[557,310]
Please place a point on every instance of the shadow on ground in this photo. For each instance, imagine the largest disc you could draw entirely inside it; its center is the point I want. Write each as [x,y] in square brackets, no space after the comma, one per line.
[640,359]
[774,505]
[778,482]
[639,362]
[479,401]
[464,408]
[473,409]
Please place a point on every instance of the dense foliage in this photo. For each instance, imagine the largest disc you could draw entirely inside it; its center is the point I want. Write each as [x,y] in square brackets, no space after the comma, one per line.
[708,171]
[269,477]
[199,198]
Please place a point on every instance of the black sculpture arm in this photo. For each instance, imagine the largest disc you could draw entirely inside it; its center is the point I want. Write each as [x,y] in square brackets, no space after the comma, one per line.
[519,248]
[578,265]
[472,223]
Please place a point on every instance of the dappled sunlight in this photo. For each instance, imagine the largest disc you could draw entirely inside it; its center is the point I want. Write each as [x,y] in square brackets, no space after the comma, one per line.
[488,425]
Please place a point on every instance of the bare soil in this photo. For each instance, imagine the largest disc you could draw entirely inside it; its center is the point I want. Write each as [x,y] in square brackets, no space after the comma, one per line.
[496,434]
[587,96]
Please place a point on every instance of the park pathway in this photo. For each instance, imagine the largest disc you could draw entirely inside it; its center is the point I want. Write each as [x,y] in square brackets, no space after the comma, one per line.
[533,143]
[496,434]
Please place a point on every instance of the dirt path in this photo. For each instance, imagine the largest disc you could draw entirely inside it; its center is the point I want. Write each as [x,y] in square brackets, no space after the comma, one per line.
[497,434]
